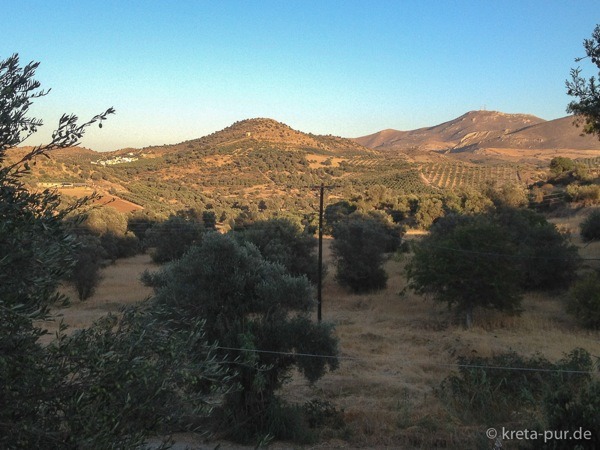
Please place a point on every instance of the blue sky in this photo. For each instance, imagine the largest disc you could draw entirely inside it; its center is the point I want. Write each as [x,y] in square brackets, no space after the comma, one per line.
[178,70]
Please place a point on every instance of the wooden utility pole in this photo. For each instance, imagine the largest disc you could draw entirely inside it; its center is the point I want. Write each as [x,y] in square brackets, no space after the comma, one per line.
[321,189]
[320,273]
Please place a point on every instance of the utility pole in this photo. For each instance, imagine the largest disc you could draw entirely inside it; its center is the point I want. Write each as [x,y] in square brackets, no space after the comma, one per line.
[321,188]
[320,273]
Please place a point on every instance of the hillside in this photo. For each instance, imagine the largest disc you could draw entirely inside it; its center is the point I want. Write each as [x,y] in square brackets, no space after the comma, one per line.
[489,133]
[263,166]
[259,132]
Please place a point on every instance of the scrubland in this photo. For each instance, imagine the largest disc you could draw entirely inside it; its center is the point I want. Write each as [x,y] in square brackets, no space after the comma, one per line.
[396,348]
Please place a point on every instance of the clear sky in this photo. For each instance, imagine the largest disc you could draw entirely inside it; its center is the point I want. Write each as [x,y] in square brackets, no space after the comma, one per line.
[178,70]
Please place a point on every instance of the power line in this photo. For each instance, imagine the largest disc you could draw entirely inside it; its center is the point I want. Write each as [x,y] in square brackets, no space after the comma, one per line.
[413,362]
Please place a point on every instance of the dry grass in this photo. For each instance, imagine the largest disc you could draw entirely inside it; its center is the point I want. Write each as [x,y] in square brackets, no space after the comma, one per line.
[120,285]
[396,348]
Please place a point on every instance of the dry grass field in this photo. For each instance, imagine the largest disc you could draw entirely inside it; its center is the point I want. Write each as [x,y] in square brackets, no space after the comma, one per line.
[396,348]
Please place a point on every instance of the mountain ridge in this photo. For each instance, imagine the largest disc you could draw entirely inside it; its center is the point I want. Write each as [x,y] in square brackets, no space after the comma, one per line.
[480,131]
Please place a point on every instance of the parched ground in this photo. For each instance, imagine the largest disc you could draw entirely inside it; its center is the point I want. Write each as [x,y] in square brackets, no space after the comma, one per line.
[396,348]
[120,285]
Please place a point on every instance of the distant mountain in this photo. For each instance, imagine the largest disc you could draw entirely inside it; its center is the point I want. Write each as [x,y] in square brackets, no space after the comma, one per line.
[552,135]
[259,131]
[486,132]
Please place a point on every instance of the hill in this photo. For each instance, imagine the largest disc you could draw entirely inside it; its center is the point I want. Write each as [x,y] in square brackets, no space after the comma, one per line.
[260,132]
[488,133]
[261,166]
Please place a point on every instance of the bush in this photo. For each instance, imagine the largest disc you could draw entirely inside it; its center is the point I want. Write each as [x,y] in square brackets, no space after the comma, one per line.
[85,275]
[579,410]
[104,220]
[359,246]
[588,195]
[509,387]
[120,246]
[584,301]
[590,227]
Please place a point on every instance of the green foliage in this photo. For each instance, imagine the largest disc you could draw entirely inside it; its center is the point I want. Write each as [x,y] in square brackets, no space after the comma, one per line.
[336,212]
[139,222]
[584,301]
[105,220]
[511,388]
[580,410]
[463,262]
[561,164]
[545,258]
[428,210]
[359,246]
[587,195]
[119,246]
[209,219]
[36,248]
[283,242]
[171,239]
[258,314]
[109,386]
[85,274]
[587,106]
[590,227]
[511,195]
[487,260]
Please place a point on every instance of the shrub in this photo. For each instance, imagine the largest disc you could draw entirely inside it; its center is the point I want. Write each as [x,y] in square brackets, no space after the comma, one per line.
[359,246]
[584,301]
[85,275]
[588,195]
[509,387]
[545,257]
[104,220]
[560,165]
[590,227]
[579,410]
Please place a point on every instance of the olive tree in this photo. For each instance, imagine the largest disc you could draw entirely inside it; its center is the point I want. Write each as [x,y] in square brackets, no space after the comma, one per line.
[359,246]
[590,227]
[587,106]
[111,385]
[488,260]
[258,314]
[170,239]
[284,242]
[463,263]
